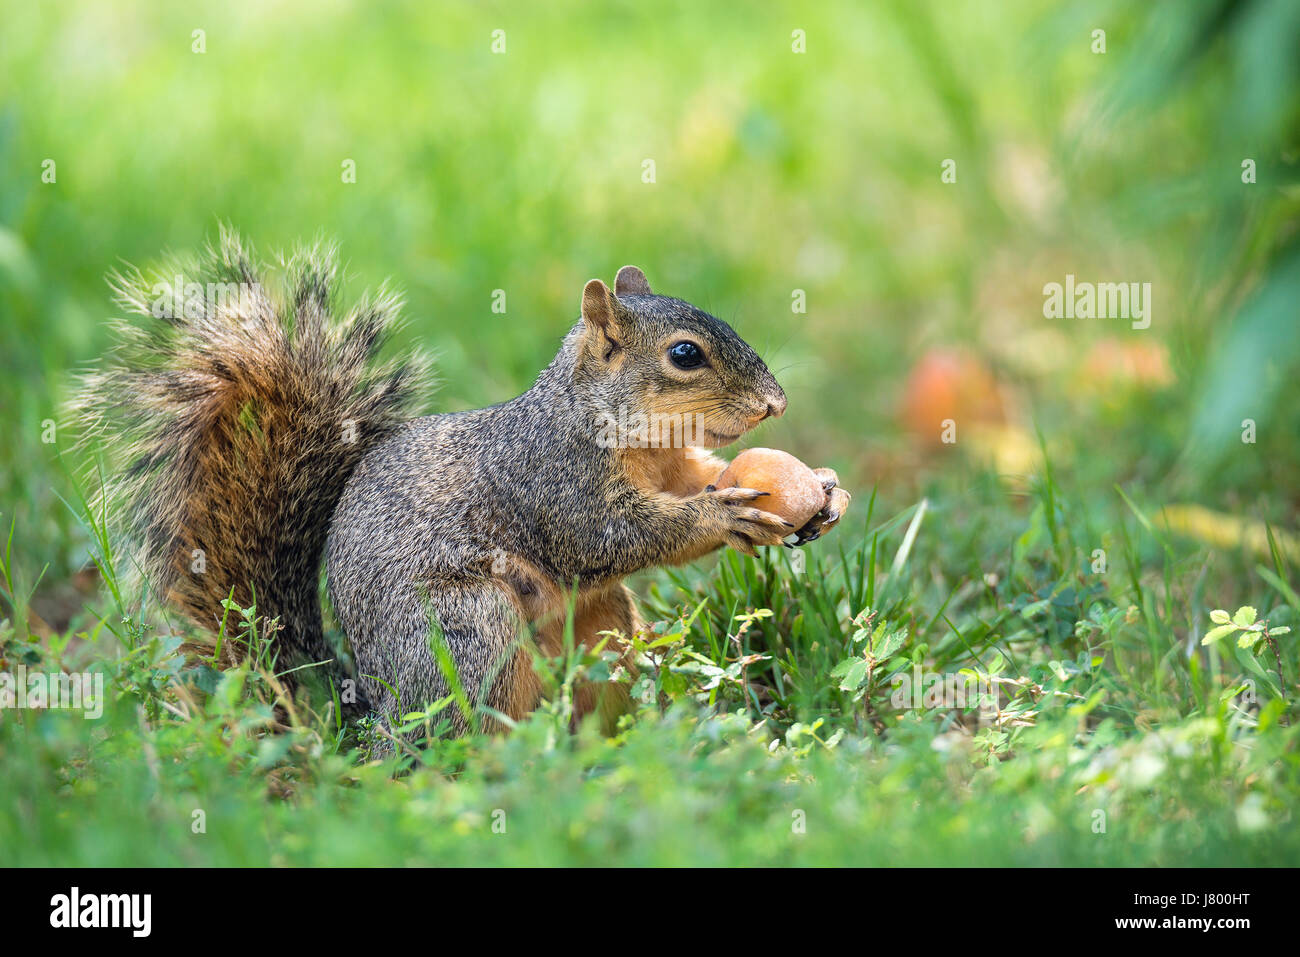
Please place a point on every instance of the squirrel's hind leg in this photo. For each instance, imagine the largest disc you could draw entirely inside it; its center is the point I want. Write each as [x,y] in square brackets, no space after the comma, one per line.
[480,623]
[612,608]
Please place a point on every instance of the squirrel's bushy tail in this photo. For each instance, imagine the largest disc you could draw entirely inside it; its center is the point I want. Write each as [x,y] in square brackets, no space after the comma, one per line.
[242,410]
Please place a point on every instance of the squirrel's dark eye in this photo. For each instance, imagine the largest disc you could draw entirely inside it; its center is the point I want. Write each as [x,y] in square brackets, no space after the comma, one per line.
[686,355]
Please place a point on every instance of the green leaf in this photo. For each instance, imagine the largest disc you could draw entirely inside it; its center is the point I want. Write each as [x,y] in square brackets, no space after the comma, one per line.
[230,689]
[1034,607]
[669,639]
[673,685]
[272,749]
[1214,634]
[1230,693]
[843,667]
[853,678]
[1248,638]
[1219,617]
[1245,616]
[882,648]
[1285,629]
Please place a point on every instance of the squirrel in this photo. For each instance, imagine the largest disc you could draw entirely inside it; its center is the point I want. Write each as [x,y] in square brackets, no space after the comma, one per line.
[264,436]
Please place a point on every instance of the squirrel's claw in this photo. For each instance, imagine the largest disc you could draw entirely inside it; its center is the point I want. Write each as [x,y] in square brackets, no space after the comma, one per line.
[737,495]
[763,528]
[837,502]
[743,526]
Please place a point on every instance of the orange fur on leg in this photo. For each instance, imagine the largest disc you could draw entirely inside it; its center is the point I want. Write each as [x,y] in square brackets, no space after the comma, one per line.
[609,609]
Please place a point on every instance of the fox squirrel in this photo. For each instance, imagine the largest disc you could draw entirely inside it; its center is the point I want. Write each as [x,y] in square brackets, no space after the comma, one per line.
[264,434]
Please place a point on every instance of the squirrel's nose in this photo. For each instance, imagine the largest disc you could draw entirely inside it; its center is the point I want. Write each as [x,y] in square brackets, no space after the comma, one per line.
[775,407]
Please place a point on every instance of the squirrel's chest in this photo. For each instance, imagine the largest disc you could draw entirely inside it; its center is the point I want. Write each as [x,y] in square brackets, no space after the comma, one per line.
[658,470]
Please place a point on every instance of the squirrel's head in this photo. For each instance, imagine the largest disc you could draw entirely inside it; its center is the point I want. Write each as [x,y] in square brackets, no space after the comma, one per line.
[638,353]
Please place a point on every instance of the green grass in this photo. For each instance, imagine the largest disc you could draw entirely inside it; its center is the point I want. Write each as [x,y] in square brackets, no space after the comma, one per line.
[1118,748]
[776,172]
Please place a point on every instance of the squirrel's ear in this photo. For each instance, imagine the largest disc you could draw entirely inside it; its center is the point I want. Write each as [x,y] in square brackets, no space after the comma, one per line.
[631,281]
[598,307]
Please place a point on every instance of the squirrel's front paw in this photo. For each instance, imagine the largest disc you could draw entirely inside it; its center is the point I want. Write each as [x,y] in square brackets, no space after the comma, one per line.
[837,503]
[740,524]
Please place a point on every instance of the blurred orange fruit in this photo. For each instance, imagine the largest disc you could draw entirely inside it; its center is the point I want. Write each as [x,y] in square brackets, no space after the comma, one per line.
[949,384]
[1115,363]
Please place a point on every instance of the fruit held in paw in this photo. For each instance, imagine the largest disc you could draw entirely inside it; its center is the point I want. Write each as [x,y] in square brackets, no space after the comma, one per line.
[794,492]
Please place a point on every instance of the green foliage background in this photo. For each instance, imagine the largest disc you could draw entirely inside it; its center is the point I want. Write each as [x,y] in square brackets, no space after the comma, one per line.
[775,171]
